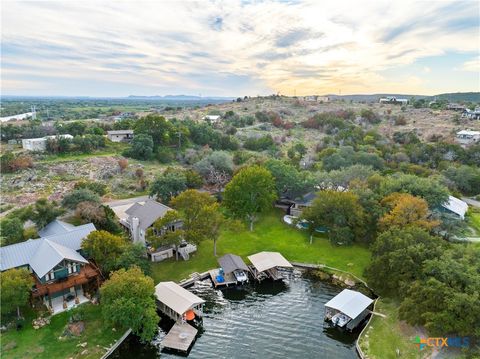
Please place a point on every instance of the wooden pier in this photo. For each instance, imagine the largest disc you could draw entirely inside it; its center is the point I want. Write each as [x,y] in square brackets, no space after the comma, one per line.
[229,278]
[180,337]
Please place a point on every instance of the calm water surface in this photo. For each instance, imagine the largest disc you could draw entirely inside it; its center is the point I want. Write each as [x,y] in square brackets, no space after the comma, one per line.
[266,320]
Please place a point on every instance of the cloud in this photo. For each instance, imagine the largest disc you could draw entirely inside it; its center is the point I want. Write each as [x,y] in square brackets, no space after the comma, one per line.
[228,47]
[472,65]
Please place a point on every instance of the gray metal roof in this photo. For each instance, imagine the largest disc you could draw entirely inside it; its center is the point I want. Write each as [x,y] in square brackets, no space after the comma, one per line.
[21,254]
[148,212]
[55,227]
[267,260]
[120,132]
[231,262]
[49,254]
[349,302]
[456,206]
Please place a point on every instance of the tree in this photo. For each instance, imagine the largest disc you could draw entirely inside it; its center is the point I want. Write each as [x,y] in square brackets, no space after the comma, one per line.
[11,230]
[250,192]
[446,298]
[77,196]
[428,188]
[406,210]
[159,235]
[128,301]
[43,212]
[289,182]
[157,128]
[201,216]
[142,147]
[398,256]
[96,187]
[464,178]
[220,161]
[168,185]
[340,180]
[134,254]
[122,164]
[105,248]
[340,212]
[16,285]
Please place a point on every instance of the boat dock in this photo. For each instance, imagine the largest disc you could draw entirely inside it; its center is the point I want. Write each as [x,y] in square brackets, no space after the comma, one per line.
[229,278]
[180,337]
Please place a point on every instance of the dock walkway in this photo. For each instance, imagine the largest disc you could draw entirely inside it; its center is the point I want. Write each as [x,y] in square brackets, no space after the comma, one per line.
[180,337]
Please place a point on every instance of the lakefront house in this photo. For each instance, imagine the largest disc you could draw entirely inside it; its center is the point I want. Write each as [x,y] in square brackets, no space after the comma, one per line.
[62,276]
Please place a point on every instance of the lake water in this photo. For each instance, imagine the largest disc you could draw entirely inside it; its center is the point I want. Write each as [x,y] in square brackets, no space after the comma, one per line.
[261,320]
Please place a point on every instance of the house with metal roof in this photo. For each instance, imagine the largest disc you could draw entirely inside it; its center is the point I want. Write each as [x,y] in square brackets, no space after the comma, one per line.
[468,137]
[456,207]
[349,308]
[60,272]
[178,303]
[120,135]
[267,264]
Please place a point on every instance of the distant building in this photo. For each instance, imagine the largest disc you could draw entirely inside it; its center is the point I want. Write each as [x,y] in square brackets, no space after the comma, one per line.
[21,116]
[393,100]
[468,137]
[40,144]
[212,118]
[473,115]
[315,98]
[348,309]
[455,206]
[120,135]
[455,107]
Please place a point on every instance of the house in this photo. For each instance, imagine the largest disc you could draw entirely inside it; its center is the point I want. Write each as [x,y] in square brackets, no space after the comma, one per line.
[120,135]
[62,275]
[316,98]
[473,115]
[349,308]
[393,100]
[40,144]
[212,118]
[455,107]
[297,206]
[141,215]
[267,265]
[456,207]
[468,137]
[177,303]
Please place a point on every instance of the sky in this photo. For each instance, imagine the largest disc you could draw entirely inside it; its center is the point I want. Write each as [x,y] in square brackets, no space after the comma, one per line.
[238,48]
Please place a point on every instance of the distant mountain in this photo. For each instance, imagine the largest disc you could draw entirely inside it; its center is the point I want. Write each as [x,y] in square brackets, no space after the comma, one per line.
[460,96]
[453,97]
[181,98]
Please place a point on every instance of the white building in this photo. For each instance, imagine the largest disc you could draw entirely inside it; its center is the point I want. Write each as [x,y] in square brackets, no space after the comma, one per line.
[468,137]
[40,144]
[212,118]
[315,98]
[456,206]
[393,100]
[120,135]
[473,115]
[21,116]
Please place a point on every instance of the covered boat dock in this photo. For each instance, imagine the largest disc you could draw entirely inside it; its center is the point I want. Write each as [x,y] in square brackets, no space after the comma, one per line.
[233,271]
[267,264]
[349,308]
[178,303]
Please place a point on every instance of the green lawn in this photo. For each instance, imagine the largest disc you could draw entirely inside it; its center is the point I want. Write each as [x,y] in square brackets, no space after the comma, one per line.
[474,220]
[270,234]
[45,342]
[384,336]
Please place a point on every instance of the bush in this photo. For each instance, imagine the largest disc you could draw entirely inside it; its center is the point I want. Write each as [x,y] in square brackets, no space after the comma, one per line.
[96,187]
[11,163]
[259,144]
[164,155]
[77,196]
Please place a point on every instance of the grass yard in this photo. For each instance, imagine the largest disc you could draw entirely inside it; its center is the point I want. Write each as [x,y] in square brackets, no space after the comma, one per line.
[270,234]
[384,335]
[45,342]
[474,220]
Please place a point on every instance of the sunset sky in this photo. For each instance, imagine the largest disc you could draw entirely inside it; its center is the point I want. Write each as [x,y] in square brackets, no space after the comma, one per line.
[237,48]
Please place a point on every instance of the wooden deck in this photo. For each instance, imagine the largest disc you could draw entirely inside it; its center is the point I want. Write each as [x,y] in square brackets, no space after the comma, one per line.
[87,273]
[180,337]
[229,278]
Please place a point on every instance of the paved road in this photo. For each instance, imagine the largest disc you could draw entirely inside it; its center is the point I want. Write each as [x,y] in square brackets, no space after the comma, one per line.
[472,202]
